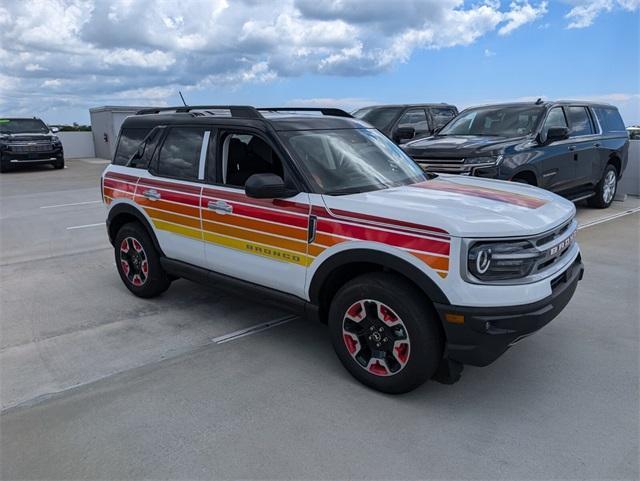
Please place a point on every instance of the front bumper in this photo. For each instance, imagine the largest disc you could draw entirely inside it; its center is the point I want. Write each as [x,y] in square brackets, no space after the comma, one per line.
[479,335]
[11,157]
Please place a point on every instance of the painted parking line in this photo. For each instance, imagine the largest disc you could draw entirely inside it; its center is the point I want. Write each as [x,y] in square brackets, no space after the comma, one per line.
[68,205]
[232,336]
[85,226]
[608,218]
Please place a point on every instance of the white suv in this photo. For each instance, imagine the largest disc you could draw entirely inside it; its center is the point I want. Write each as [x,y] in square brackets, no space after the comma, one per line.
[415,274]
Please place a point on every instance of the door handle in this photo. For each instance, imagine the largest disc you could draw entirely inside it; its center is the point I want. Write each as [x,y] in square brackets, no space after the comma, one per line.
[220,207]
[572,148]
[597,144]
[151,194]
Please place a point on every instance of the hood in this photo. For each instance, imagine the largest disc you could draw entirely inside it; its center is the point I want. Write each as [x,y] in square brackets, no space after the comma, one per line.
[464,206]
[26,136]
[457,145]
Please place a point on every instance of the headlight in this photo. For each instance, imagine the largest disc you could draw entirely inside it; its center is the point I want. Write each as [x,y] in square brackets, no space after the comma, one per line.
[499,261]
[489,160]
[55,139]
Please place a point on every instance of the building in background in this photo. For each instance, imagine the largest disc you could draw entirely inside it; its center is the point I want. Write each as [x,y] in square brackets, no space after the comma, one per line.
[105,125]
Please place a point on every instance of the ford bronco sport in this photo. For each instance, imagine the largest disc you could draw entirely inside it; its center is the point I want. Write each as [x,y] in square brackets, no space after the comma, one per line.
[415,274]
[575,149]
[28,141]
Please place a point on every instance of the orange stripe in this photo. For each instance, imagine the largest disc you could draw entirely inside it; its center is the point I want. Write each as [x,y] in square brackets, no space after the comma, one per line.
[116,194]
[316,250]
[439,263]
[175,208]
[267,239]
[256,224]
[327,239]
[176,219]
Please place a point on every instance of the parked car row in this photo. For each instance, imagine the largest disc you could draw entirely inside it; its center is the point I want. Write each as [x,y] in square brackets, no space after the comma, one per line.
[576,149]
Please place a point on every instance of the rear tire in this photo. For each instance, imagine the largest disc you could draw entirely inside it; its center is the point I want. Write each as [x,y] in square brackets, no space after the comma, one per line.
[606,189]
[408,349]
[138,262]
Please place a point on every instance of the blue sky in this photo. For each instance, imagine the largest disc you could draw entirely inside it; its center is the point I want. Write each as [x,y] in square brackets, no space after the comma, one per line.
[346,53]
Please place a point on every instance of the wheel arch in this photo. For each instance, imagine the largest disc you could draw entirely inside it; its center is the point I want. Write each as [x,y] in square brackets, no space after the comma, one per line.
[529,175]
[123,213]
[616,162]
[343,266]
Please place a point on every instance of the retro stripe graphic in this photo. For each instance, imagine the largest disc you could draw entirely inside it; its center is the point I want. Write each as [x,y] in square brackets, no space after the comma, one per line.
[513,198]
[275,229]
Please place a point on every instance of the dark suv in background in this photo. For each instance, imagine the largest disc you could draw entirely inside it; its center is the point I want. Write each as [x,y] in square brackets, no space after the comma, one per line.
[28,141]
[576,149]
[402,123]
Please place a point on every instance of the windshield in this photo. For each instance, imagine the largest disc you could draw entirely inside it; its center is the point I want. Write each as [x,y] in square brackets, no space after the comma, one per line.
[18,126]
[348,161]
[513,121]
[380,118]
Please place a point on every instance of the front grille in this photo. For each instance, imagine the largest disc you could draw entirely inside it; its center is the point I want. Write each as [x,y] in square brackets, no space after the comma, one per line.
[31,147]
[555,245]
[430,160]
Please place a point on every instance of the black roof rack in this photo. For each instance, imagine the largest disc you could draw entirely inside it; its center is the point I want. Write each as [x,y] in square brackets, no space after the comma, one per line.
[324,111]
[242,111]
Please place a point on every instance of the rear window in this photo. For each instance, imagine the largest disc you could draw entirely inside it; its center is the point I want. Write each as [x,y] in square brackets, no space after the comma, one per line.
[441,116]
[128,144]
[609,119]
[580,123]
[380,118]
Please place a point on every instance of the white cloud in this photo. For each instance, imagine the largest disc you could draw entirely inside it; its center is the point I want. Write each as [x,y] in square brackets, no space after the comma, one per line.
[584,14]
[82,52]
[489,53]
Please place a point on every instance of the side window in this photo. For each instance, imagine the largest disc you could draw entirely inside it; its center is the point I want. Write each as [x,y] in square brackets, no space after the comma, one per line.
[128,144]
[417,119]
[180,153]
[580,121]
[555,119]
[609,119]
[441,116]
[244,155]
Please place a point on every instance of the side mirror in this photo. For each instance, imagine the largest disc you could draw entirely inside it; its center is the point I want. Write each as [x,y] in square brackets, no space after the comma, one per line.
[557,133]
[267,186]
[55,130]
[404,133]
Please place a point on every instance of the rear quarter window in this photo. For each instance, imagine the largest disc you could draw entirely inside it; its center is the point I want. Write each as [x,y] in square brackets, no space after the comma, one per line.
[609,119]
[129,141]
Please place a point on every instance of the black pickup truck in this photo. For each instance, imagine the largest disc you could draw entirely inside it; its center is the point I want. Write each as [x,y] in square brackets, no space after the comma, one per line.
[576,149]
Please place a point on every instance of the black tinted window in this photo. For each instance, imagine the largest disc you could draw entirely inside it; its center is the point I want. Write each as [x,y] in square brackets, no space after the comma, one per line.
[380,118]
[416,119]
[441,116]
[180,153]
[245,155]
[128,144]
[609,119]
[580,121]
[555,119]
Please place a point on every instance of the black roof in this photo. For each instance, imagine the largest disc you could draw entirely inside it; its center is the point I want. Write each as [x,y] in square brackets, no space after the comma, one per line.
[279,118]
[545,103]
[435,104]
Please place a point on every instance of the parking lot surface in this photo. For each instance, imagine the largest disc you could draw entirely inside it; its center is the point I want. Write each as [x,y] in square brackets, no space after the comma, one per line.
[98,384]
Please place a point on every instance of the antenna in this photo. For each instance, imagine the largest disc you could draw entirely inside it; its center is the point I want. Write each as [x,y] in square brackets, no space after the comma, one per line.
[185,103]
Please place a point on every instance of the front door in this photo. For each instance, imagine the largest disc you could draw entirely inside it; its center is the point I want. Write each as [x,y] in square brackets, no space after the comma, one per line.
[558,168]
[263,241]
[583,136]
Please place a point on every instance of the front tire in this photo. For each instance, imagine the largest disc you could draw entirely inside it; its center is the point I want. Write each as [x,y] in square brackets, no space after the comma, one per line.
[138,262]
[385,332]
[58,164]
[606,189]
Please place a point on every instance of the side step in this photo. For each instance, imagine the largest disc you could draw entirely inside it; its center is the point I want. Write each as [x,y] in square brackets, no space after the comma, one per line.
[581,196]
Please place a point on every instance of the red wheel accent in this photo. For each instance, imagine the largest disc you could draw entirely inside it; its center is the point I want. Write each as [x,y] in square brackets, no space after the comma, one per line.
[378,369]
[402,352]
[124,246]
[136,280]
[375,337]
[133,261]
[137,246]
[145,267]
[351,343]
[125,267]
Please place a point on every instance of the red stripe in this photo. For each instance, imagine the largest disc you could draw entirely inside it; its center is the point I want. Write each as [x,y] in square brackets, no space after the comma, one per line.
[264,214]
[175,197]
[116,175]
[405,241]
[190,189]
[514,198]
[269,203]
[114,184]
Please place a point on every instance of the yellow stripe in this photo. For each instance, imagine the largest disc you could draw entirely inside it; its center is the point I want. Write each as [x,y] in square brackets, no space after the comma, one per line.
[178,229]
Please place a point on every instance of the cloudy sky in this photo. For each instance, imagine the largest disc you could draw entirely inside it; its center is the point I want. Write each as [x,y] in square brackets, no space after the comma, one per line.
[60,57]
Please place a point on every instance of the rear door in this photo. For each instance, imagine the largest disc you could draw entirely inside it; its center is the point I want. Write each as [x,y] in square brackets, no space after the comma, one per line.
[169,192]
[263,241]
[584,137]
[440,116]
[415,118]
